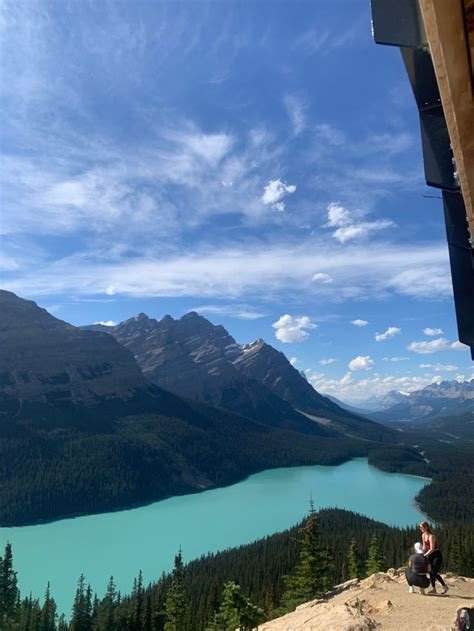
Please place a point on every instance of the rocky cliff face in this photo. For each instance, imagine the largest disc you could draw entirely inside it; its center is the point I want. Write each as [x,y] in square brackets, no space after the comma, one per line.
[380,602]
[195,359]
[47,361]
[269,366]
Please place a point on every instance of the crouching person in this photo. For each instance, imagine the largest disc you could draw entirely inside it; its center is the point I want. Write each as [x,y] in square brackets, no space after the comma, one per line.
[417,570]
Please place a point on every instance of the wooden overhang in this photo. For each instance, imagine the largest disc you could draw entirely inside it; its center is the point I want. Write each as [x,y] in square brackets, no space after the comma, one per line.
[449,28]
[436,40]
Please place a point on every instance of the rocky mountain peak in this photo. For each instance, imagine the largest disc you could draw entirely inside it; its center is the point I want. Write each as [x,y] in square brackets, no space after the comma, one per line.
[167,320]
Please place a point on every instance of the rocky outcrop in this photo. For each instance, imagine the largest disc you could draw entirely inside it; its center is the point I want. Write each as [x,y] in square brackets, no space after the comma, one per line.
[381,601]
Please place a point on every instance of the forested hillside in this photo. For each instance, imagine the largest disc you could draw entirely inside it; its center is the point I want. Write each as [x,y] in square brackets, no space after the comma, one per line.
[354,545]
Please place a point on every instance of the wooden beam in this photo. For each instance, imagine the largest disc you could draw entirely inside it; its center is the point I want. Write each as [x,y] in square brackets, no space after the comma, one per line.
[445,29]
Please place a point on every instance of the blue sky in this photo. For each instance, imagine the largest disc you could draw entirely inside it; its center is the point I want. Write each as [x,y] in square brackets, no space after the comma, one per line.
[258,162]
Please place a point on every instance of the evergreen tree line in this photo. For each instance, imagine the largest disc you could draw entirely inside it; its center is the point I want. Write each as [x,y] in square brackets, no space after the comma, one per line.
[241,587]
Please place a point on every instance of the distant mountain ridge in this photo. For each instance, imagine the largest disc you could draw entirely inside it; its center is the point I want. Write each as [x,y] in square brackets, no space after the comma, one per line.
[448,398]
[194,358]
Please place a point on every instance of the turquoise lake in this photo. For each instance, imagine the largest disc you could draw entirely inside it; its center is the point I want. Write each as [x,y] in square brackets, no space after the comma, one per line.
[147,538]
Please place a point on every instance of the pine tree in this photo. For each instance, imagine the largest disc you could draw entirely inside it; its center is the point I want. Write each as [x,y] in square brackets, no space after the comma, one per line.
[30,614]
[352,561]
[48,612]
[137,604]
[159,604]
[375,560]
[175,607]
[8,588]
[106,615]
[82,607]
[62,624]
[236,611]
[313,575]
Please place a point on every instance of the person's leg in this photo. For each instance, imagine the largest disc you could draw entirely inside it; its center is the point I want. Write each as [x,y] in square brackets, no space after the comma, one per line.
[435,569]
[409,577]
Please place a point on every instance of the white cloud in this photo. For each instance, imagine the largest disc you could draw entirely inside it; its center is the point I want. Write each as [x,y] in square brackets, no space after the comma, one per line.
[293,361]
[432,332]
[346,379]
[320,277]
[434,346]
[395,359]
[361,363]
[361,229]
[348,227]
[422,282]
[326,362]
[440,367]
[459,346]
[274,193]
[337,216]
[390,332]
[293,329]
[106,323]
[359,323]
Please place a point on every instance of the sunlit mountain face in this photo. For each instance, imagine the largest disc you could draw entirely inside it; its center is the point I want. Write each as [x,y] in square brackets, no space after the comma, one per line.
[256,163]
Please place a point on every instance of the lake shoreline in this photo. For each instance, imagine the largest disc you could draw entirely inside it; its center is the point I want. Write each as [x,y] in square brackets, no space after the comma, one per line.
[191,491]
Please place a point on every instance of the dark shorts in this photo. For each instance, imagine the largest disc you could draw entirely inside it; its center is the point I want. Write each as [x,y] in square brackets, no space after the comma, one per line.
[417,580]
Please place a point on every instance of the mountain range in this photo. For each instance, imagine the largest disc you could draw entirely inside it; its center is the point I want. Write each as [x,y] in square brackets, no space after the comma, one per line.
[92,421]
[448,398]
[196,359]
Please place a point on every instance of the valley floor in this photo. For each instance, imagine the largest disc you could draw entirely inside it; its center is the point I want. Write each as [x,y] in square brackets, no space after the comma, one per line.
[383,602]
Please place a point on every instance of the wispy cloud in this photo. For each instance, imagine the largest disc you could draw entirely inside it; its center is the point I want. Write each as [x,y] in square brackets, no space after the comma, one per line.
[441,367]
[243,312]
[268,271]
[327,362]
[295,108]
[348,228]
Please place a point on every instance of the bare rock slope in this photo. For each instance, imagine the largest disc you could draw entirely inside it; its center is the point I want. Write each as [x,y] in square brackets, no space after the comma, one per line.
[380,602]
